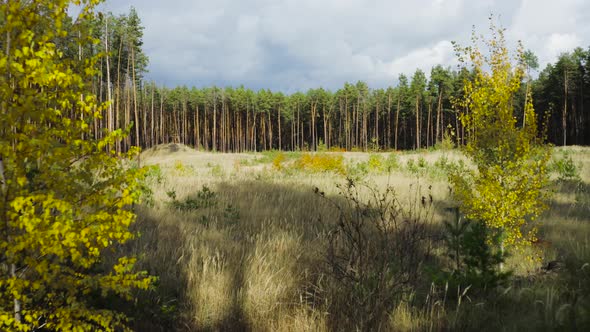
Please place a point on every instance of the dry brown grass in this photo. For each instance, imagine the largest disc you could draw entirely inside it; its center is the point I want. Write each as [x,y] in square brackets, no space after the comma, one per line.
[256,261]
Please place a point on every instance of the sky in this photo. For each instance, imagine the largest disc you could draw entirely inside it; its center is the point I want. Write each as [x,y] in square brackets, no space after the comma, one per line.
[294,45]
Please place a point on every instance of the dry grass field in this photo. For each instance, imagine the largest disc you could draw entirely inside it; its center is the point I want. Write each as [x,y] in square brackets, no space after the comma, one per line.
[242,242]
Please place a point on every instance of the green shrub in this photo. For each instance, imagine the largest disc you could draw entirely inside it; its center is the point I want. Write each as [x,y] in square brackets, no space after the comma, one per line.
[357,171]
[322,146]
[392,162]
[375,162]
[446,143]
[205,198]
[422,163]
[565,168]
[217,171]
[417,168]
[154,173]
[475,253]
[181,169]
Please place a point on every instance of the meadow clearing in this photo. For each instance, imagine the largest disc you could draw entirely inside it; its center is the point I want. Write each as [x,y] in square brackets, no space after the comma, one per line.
[247,242]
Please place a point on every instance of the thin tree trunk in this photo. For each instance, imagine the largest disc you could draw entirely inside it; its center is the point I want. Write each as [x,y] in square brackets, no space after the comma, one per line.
[377,122]
[417,122]
[161,138]
[313,146]
[197,128]
[254,143]
[389,120]
[356,124]
[325,127]
[269,132]
[118,97]
[293,134]
[214,121]
[397,120]
[109,97]
[299,128]
[127,103]
[279,122]
[564,113]
[428,122]
[346,123]
[100,83]
[152,118]
[248,130]
[365,127]
[459,137]
[135,111]
[438,117]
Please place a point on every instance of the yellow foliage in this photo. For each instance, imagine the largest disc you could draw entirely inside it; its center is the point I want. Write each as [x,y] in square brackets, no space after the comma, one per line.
[506,190]
[375,162]
[181,169]
[63,199]
[321,162]
[277,162]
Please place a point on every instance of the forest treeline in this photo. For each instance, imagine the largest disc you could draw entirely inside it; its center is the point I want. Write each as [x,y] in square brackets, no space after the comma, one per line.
[418,112]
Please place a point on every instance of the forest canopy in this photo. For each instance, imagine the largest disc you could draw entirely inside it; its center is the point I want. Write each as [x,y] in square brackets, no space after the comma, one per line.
[416,112]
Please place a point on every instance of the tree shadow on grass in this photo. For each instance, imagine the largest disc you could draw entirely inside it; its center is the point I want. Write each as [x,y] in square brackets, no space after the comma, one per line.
[248,217]
[230,230]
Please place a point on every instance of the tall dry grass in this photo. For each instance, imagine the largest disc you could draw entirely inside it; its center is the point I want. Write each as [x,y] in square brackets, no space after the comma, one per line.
[256,260]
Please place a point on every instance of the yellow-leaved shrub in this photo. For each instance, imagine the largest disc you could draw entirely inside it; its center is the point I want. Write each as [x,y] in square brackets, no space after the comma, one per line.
[506,190]
[65,197]
[321,162]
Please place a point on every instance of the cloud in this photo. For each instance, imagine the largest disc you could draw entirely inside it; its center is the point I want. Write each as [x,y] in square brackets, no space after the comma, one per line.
[299,44]
[424,59]
[550,27]
[561,42]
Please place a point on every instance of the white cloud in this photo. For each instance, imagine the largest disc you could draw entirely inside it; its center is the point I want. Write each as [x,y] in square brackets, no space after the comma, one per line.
[299,44]
[559,43]
[549,27]
[424,59]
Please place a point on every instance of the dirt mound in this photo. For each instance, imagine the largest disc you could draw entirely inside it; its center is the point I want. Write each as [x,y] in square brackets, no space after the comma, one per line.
[165,150]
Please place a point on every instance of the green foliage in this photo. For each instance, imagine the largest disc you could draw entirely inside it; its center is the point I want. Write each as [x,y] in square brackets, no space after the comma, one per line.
[375,162]
[271,155]
[204,199]
[374,144]
[217,171]
[181,169]
[506,191]
[422,163]
[474,252]
[446,144]
[66,198]
[231,213]
[418,168]
[392,162]
[321,146]
[443,163]
[357,171]
[154,174]
[565,168]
